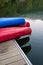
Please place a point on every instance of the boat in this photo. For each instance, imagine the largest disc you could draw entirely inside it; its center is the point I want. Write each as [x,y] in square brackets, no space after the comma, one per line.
[11,28]
[27,24]
[7,22]
[9,33]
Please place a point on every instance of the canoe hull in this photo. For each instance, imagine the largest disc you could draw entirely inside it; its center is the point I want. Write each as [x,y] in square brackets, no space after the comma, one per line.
[13,32]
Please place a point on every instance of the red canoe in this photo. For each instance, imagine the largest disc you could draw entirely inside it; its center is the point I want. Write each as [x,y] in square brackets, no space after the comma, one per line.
[27,24]
[13,32]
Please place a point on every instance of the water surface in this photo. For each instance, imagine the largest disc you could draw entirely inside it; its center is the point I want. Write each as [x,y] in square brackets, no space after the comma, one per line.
[33,45]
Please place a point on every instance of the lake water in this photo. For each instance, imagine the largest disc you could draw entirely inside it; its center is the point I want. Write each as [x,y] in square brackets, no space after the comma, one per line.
[33,45]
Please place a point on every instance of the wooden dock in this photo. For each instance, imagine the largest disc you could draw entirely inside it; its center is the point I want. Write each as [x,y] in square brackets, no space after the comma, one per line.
[12,54]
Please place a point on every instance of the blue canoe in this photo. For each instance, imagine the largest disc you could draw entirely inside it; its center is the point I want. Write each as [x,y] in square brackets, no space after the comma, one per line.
[6,22]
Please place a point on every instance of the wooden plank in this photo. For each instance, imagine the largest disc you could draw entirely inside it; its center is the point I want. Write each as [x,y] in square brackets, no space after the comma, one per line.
[4,57]
[20,62]
[7,43]
[11,60]
[10,54]
[9,51]
[6,47]
[1,63]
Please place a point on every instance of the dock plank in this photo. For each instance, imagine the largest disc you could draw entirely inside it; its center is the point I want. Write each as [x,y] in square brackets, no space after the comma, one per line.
[10,55]
[11,60]
[20,62]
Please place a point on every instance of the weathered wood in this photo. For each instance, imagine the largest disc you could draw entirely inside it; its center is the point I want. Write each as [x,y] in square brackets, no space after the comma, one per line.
[20,62]
[10,55]
[11,60]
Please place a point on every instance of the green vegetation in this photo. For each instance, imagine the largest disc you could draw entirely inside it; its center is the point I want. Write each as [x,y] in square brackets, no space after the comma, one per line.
[17,7]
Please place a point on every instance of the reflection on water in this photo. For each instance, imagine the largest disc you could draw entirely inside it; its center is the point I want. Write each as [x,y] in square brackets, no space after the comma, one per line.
[24,43]
[36,41]
[35,54]
[26,49]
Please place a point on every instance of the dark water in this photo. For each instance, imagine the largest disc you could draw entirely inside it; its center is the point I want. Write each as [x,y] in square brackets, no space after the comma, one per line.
[33,45]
